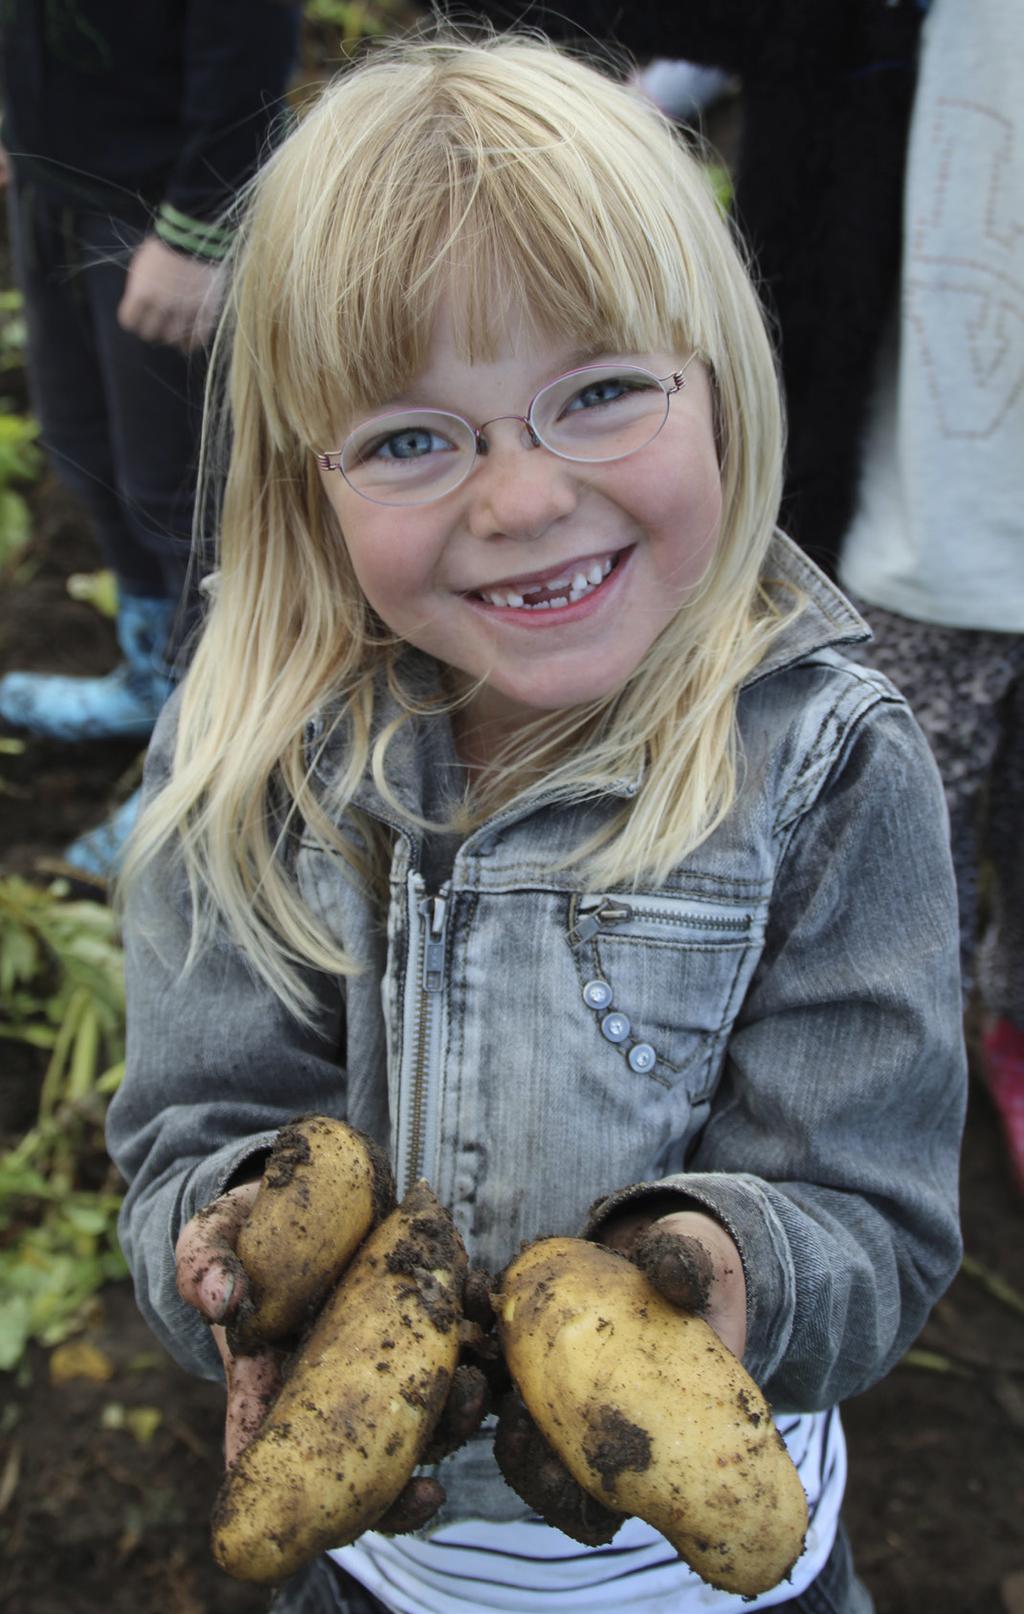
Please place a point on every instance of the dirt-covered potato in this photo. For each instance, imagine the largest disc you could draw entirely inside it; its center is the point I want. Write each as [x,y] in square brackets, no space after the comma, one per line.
[650,1413]
[324,1187]
[359,1404]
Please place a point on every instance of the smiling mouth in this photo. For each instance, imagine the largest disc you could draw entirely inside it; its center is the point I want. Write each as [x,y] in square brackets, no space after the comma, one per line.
[554,593]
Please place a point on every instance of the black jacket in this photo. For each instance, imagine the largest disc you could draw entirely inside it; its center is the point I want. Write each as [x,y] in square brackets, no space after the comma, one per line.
[163,107]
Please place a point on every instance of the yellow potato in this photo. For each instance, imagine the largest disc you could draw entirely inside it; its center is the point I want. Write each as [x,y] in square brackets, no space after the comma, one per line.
[359,1404]
[650,1413]
[323,1188]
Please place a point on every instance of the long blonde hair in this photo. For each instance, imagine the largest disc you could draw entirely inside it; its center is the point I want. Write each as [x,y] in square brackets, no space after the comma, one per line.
[508,164]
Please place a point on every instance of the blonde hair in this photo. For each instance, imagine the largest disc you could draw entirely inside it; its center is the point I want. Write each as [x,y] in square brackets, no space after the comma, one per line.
[506,164]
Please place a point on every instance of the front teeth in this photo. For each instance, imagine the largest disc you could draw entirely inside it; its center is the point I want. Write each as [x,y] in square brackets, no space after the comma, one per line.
[578,584]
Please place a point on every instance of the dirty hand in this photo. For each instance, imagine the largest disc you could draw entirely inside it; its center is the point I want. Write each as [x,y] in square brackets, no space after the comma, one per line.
[170,297]
[211,1278]
[690,1259]
[694,1263]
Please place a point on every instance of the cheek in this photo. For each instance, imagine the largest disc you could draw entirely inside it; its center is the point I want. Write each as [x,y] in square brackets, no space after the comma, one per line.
[400,582]
[677,502]
[392,562]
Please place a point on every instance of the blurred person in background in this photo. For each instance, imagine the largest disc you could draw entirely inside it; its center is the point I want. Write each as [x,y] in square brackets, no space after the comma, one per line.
[934,556]
[127,131]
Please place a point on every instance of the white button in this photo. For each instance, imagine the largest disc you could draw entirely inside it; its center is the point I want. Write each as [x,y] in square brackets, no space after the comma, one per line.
[642,1057]
[597,995]
[615,1027]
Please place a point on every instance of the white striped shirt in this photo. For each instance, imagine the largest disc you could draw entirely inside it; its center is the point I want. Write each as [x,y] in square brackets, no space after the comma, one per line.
[526,1567]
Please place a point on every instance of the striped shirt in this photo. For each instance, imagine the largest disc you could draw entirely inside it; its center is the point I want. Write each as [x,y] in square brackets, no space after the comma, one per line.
[526,1567]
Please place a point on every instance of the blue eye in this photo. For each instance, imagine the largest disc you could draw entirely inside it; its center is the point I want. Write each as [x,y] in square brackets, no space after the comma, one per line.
[605,390]
[413,443]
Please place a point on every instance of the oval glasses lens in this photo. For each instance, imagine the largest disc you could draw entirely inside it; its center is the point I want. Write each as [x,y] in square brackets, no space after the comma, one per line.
[602,412]
[409,456]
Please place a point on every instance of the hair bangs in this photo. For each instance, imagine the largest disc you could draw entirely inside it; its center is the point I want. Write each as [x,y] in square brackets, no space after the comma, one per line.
[399,188]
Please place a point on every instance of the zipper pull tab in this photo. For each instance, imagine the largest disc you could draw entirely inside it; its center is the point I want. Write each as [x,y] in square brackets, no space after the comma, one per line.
[586,926]
[434,910]
[588,923]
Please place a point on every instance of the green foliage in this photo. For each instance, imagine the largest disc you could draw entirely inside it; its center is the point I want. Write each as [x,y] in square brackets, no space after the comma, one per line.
[98,589]
[55,1262]
[13,334]
[62,992]
[20,461]
[354,20]
[721,185]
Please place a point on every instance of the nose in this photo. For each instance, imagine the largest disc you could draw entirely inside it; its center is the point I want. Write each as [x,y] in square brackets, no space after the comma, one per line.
[518,489]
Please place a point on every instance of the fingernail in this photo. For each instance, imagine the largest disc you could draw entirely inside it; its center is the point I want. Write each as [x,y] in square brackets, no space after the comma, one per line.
[217,1294]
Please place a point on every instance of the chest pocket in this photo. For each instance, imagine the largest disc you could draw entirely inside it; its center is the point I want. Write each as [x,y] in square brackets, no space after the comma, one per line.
[662,977]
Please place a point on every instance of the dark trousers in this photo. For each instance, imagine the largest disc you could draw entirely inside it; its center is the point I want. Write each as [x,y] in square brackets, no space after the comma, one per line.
[120,418]
[324,1588]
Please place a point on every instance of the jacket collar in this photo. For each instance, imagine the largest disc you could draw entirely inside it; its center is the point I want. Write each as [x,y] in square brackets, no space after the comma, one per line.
[827,617]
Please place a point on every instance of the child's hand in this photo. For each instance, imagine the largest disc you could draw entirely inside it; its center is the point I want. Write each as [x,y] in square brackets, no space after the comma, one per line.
[542,1480]
[690,1259]
[694,1263]
[211,1278]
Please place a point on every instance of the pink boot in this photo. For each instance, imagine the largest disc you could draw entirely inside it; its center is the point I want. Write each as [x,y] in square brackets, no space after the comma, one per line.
[1002,1065]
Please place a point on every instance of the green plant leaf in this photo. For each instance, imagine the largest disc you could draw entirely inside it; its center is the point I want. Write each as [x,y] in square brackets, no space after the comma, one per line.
[14,1331]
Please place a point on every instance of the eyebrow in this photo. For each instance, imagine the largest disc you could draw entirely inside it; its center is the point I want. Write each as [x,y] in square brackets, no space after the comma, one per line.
[578,359]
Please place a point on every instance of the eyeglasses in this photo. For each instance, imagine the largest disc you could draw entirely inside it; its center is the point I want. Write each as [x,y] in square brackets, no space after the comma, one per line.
[591,415]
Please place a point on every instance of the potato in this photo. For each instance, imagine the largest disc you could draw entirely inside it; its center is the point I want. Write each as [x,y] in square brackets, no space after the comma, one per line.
[359,1404]
[324,1187]
[650,1413]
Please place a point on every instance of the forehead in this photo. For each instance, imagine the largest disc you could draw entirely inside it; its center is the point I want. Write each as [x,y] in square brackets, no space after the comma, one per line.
[519,347]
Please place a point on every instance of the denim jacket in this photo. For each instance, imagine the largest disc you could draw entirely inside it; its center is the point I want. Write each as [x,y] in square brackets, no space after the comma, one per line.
[775,1031]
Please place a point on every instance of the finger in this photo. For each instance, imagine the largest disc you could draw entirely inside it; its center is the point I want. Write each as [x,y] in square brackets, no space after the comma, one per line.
[700,1270]
[134,316]
[208,1272]
[252,1383]
[413,1506]
[463,1412]
[537,1475]
[680,1268]
[476,1297]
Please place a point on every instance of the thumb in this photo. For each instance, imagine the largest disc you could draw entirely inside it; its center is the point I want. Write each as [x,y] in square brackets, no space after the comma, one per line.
[678,1265]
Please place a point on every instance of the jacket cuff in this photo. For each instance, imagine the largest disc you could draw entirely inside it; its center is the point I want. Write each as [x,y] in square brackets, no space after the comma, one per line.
[746,1212]
[215,1175]
[193,236]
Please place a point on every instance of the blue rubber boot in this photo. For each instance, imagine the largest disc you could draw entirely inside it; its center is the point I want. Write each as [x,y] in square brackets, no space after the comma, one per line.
[98,854]
[122,705]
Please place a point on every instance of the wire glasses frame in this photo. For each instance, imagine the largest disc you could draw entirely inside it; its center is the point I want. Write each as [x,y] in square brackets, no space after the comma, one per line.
[383,459]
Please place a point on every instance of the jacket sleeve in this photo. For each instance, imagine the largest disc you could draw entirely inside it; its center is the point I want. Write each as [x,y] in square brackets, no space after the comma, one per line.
[214,1067]
[831,1151]
[237,63]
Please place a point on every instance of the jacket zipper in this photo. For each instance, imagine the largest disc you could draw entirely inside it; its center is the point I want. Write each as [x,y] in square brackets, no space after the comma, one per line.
[610,912]
[432,913]
[589,923]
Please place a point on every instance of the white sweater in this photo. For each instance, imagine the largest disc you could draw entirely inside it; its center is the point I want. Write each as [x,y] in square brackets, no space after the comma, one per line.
[939,531]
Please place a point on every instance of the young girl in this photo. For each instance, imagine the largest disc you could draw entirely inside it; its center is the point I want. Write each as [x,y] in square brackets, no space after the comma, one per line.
[521,807]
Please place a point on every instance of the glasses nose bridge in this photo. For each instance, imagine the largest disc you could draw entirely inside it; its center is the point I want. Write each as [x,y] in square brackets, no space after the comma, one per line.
[482,445]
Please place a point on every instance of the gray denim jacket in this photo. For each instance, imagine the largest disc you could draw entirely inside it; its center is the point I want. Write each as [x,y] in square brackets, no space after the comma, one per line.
[775,1032]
